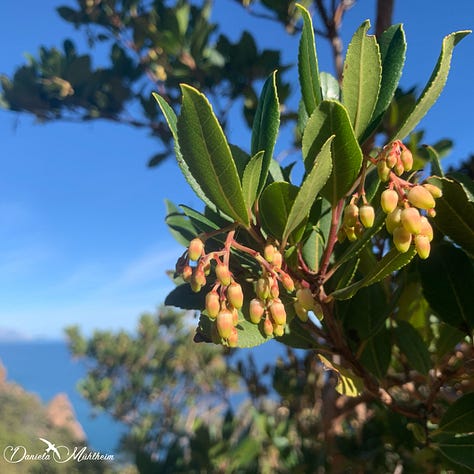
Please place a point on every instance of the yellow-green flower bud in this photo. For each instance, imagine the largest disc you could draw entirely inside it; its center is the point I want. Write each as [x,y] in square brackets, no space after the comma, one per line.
[277,259]
[367,215]
[383,170]
[402,239]
[213,304]
[235,295]
[434,190]
[256,310]
[420,197]
[422,245]
[233,339]
[389,200]
[278,312]
[269,252]
[426,228]
[288,283]
[195,249]
[225,323]
[223,274]
[393,220]
[278,330]
[411,220]
[351,213]
[406,158]
[262,289]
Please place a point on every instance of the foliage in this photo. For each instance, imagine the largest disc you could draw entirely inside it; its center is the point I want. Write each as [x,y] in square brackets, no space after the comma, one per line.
[311,263]
[153,383]
[150,44]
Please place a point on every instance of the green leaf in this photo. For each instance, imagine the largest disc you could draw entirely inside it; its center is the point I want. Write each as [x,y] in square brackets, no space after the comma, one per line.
[265,126]
[447,277]
[331,118]
[275,205]
[434,159]
[365,312]
[207,154]
[309,189]
[199,221]
[377,354]
[251,179]
[361,78]
[179,225]
[455,213]
[449,337]
[393,47]
[183,297]
[308,70]
[171,120]
[434,86]
[411,344]
[329,86]
[467,184]
[459,417]
[348,383]
[459,450]
[391,262]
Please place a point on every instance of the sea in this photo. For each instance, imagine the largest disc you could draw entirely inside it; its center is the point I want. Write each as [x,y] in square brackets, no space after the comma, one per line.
[47,368]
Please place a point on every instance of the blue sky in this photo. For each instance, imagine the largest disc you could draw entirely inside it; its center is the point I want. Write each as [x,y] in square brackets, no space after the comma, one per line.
[82,233]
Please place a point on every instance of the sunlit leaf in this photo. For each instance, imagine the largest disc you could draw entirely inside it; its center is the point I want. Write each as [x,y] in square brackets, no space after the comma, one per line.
[330,118]
[207,154]
[265,126]
[434,86]
[308,64]
[309,189]
[361,78]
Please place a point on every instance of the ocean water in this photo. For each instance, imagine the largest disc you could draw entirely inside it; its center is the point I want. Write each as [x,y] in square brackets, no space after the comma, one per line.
[46,368]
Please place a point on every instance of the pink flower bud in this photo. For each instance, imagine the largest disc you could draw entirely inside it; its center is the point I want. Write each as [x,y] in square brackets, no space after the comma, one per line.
[267,327]
[223,274]
[402,239]
[224,323]
[256,310]
[235,296]
[411,220]
[288,283]
[233,339]
[269,252]
[278,312]
[422,245]
[213,304]
[262,289]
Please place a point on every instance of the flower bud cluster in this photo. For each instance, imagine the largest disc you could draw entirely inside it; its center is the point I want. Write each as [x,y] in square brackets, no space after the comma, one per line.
[224,300]
[267,308]
[405,221]
[394,157]
[355,220]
